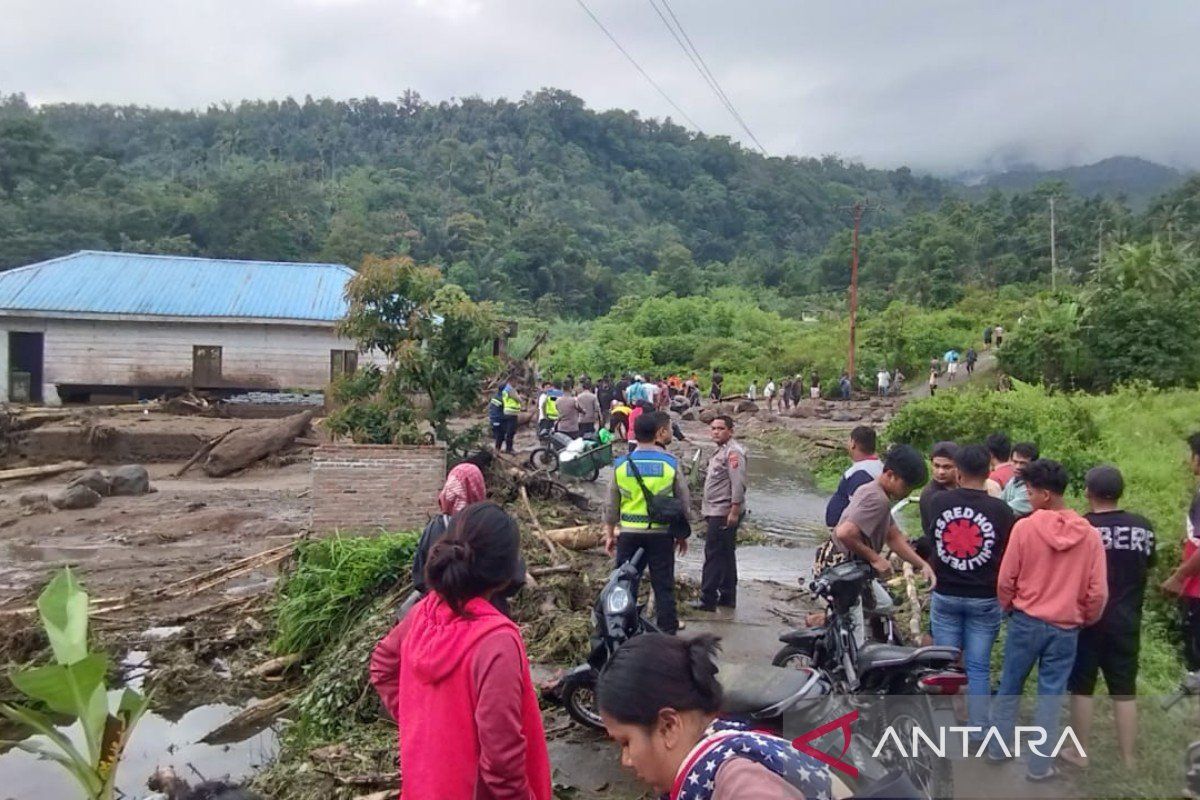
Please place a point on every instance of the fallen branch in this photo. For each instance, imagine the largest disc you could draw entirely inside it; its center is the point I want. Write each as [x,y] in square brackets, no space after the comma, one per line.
[914,622]
[202,452]
[368,780]
[557,569]
[274,666]
[537,526]
[251,717]
[38,472]
[578,537]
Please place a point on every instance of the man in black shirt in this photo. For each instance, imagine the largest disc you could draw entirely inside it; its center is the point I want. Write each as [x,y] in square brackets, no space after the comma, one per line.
[1112,644]
[942,477]
[968,531]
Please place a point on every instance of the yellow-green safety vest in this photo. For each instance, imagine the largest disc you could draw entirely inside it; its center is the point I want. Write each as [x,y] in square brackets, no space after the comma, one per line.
[658,473]
[551,408]
[512,405]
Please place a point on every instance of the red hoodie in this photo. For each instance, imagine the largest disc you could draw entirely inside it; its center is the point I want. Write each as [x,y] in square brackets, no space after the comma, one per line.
[1054,569]
[459,687]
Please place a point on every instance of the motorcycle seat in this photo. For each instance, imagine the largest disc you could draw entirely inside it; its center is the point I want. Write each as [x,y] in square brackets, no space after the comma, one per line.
[874,656]
[759,691]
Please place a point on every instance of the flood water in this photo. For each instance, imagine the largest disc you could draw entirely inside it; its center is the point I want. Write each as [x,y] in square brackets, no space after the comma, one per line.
[782,500]
[157,741]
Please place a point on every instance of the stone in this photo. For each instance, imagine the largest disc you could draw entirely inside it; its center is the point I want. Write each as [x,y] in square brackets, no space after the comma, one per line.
[746,406]
[708,415]
[129,480]
[93,479]
[30,499]
[846,416]
[879,416]
[689,415]
[805,412]
[76,497]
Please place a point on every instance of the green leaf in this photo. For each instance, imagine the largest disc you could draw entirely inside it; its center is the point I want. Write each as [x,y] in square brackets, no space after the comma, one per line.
[39,723]
[64,689]
[63,605]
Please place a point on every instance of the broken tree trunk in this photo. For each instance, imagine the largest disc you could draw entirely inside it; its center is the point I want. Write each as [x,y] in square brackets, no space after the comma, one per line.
[250,719]
[203,451]
[250,444]
[41,472]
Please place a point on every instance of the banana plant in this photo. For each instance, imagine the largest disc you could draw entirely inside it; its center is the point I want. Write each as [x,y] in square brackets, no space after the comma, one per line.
[74,686]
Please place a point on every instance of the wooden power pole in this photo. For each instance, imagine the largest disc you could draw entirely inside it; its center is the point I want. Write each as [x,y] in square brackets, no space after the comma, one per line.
[1053,250]
[857,210]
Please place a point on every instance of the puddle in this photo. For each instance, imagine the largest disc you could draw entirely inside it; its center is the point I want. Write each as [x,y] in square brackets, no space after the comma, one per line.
[157,741]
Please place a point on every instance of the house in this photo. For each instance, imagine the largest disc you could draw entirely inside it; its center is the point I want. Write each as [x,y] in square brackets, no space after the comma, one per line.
[98,323]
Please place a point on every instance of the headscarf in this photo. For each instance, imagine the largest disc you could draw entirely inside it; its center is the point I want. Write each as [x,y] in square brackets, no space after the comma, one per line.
[464,486]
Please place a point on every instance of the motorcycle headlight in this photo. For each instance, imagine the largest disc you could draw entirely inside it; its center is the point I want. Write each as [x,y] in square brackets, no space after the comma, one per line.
[618,601]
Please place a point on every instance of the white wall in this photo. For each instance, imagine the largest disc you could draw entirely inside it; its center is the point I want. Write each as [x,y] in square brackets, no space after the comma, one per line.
[134,353]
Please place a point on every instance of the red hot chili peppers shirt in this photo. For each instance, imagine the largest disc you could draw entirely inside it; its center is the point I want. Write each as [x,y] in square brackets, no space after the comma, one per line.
[967,536]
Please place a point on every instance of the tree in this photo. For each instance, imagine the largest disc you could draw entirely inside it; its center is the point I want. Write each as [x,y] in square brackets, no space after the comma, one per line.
[430,332]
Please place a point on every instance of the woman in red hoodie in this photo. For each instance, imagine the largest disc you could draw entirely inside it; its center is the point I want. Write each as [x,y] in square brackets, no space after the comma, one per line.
[455,677]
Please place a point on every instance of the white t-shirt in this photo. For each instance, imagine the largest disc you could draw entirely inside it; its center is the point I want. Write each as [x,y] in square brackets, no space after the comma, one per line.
[769,389]
[884,378]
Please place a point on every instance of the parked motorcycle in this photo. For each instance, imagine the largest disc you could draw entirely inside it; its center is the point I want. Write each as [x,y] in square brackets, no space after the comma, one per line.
[1188,687]
[895,686]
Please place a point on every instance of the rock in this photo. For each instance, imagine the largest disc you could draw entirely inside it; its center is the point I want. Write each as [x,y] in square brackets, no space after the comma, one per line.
[93,479]
[879,416]
[708,415]
[746,406]
[874,402]
[30,499]
[76,497]
[726,408]
[129,480]
[689,415]
[845,416]
[805,412]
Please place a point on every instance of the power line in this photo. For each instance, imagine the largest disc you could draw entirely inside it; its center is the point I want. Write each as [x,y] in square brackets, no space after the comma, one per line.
[636,65]
[704,70]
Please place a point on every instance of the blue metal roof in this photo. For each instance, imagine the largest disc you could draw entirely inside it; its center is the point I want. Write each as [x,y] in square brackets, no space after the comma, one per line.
[92,282]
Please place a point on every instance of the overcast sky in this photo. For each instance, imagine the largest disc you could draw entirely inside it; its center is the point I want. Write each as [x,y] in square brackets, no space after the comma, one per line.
[940,86]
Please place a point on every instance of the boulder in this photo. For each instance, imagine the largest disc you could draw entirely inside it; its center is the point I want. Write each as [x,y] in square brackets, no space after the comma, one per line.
[725,408]
[746,406]
[845,416]
[78,496]
[804,412]
[129,480]
[30,499]
[879,416]
[708,415]
[93,479]
[689,415]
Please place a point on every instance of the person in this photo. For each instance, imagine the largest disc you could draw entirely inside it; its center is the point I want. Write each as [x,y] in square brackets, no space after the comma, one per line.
[503,409]
[944,478]
[752,391]
[547,404]
[785,393]
[1185,580]
[627,523]
[722,507]
[568,415]
[867,525]
[659,699]
[454,674]
[605,393]
[692,390]
[797,389]
[864,467]
[934,364]
[464,484]
[717,380]
[1112,644]
[883,381]
[1053,581]
[635,392]
[968,531]
[987,337]
[1014,492]
[814,386]
[622,388]
[589,410]
[639,409]
[569,383]
[972,357]
[933,381]
[1000,449]
[618,419]
[662,396]
[844,386]
[769,394]
[998,335]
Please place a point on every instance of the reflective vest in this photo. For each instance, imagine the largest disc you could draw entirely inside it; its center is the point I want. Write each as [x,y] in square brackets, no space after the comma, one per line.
[658,473]
[551,408]
[512,406]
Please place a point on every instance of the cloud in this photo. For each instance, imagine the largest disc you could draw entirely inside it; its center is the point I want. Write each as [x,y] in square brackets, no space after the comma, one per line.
[941,85]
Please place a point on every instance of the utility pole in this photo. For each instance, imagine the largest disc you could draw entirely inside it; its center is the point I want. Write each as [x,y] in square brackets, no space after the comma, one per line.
[1053,250]
[857,209]
[1100,247]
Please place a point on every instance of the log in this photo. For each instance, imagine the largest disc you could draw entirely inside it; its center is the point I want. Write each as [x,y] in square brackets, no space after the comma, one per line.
[579,537]
[202,452]
[250,444]
[914,622]
[21,473]
[249,718]
[537,526]
[539,572]
[274,666]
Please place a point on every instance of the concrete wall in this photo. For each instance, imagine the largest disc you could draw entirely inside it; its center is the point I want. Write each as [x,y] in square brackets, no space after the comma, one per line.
[366,487]
[138,353]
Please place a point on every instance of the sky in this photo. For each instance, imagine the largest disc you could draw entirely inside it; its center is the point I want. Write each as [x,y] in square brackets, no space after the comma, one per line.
[945,86]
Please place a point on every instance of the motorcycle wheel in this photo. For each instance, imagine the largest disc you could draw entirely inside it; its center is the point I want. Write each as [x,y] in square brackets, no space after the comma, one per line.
[544,458]
[795,657]
[932,776]
[580,700]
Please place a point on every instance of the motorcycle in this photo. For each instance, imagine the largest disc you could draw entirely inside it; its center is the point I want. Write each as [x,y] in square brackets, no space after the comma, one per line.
[1188,687]
[895,686]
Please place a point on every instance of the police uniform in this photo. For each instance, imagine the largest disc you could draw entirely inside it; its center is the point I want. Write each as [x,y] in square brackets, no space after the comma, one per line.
[627,509]
[724,485]
[503,409]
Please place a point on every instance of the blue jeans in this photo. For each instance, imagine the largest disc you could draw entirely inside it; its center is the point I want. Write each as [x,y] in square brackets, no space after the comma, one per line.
[1031,641]
[971,624]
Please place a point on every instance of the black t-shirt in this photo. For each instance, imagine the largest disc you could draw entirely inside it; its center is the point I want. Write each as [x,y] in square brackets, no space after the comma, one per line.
[1129,546]
[968,531]
[931,490]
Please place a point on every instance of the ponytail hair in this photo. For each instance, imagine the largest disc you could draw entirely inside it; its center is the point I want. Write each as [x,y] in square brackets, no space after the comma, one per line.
[655,671]
[479,553]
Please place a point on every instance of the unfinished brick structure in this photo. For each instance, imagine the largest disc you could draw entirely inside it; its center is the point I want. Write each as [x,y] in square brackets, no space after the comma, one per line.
[367,487]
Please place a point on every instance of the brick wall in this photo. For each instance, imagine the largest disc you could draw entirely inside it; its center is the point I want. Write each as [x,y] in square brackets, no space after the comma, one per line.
[369,486]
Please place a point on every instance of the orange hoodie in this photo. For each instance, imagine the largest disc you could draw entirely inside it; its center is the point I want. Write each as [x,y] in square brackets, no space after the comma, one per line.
[1054,569]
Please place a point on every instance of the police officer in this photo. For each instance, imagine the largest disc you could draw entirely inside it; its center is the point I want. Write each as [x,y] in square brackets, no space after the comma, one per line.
[503,409]
[723,506]
[627,525]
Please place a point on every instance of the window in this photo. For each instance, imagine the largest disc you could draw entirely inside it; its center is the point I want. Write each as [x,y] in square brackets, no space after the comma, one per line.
[342,362]
[206,365]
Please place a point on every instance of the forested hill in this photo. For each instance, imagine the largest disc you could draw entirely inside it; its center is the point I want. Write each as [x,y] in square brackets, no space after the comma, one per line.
[1136,179]
[541,198]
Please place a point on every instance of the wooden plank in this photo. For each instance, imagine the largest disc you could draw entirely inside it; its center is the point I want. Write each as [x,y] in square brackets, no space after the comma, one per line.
[20,473]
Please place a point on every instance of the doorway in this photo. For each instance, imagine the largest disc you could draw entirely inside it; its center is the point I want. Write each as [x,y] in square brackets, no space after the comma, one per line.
[206,365]
[25,362]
